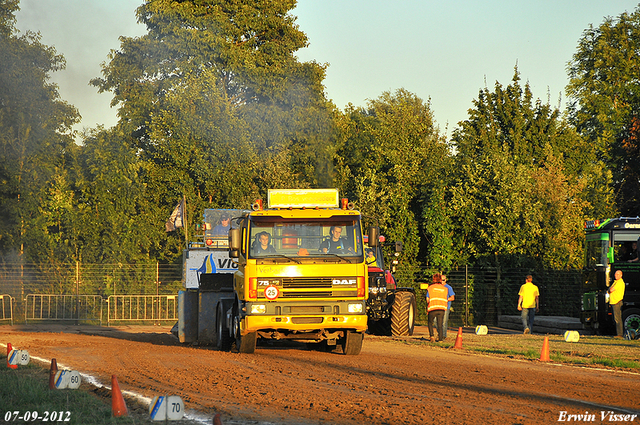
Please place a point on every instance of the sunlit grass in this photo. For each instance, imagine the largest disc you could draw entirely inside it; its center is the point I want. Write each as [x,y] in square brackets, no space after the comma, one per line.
[26,389]
[588,351]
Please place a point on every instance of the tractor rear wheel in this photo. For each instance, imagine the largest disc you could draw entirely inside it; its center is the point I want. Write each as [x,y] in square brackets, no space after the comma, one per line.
[403,314]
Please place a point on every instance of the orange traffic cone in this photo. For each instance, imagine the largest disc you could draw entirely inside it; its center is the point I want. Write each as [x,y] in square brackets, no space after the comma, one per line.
[217,420]
[52,374]
[544,354]
[458,339]
[118,406]
[9,348]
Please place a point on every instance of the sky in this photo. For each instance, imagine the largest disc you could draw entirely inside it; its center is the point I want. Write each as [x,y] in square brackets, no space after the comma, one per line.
[444,52]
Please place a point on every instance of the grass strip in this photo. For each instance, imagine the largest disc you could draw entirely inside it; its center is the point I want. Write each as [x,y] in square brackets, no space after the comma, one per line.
[26,398]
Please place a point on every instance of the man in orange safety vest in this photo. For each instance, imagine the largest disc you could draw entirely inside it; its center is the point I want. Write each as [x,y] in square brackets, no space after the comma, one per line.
[436,305]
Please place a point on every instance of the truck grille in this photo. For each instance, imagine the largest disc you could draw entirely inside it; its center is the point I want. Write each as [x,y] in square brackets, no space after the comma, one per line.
[313,287]
[306,282]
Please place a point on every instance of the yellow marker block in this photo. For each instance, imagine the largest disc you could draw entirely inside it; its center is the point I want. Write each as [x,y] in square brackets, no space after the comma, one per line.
[571,336]
[482,330]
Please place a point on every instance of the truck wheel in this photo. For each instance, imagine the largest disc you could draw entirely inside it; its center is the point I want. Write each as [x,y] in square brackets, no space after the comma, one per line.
[403,314]
[380,327]
[247,343]
[352,343]
[631,319]
[224,340]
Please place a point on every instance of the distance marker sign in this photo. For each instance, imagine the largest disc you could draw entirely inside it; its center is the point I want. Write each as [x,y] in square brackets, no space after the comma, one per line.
[19,357]
[164,408]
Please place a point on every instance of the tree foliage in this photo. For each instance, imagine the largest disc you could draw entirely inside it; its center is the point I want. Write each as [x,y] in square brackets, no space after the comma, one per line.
[604,89]
[524,185]
[388,155]
[216,105]
[36,131]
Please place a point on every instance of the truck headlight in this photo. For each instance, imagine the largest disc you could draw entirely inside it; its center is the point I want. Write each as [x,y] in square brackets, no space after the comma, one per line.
[258,309]
[355,308]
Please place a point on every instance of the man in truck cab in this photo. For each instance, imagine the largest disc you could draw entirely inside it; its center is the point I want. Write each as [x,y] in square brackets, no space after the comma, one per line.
[334,244]
[262,245]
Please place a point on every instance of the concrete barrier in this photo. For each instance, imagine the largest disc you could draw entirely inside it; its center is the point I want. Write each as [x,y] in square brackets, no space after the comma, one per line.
[545,324]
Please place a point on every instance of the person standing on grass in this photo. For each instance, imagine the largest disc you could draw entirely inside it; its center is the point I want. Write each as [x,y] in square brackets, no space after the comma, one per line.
[528,303]
[616,294]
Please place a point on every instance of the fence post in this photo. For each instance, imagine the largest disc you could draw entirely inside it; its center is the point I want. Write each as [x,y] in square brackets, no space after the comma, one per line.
[157,293]
[77,293]
[466,295]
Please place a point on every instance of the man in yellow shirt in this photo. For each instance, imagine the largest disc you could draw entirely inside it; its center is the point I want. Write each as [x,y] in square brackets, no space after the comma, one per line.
[616,294]
[528,303]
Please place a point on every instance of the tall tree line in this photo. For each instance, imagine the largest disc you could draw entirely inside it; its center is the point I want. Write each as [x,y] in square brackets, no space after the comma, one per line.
[214,105]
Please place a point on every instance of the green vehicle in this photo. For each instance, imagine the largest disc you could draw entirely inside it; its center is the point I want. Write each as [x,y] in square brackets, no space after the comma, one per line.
[611,244]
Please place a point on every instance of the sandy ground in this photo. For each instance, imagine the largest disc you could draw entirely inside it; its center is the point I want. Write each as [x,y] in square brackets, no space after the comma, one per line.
[393,380]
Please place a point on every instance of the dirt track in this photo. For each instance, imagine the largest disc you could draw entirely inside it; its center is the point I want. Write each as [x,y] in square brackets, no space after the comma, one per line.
[393,381]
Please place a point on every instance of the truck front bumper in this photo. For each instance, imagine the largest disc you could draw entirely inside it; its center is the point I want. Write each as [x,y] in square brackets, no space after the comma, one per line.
[304,316]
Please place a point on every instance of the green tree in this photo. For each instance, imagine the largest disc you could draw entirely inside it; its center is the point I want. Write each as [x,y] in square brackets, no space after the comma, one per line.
[36,132]
[388,156]
[213,94]
[525,183]
[604,91]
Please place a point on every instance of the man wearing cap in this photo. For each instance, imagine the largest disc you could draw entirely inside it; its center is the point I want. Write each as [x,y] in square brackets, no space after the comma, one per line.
[222,229]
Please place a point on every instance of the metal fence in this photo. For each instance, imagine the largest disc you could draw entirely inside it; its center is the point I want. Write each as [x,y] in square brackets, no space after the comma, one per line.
[141,308]
[483,294]
[6,308]
[81,308]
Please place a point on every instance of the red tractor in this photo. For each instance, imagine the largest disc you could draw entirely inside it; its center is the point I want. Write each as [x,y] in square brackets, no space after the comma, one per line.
[391,309]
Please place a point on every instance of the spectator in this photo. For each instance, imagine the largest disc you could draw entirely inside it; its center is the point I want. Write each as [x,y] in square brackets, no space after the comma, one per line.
[528,303]
[436,306]
[616,294]
[450,297]
[222,229]
[633,255]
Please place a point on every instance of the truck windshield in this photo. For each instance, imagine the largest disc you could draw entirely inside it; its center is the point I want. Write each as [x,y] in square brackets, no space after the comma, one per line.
[278,237]
[596,251]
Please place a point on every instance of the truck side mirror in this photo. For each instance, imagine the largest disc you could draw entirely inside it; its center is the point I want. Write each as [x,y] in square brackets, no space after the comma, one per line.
[398,246]
[235,242]
[374,233]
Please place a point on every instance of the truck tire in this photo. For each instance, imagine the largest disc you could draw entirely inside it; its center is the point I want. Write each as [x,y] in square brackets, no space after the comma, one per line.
[631,319]
[403,314]
[352,343]
[224,340]
[247,343]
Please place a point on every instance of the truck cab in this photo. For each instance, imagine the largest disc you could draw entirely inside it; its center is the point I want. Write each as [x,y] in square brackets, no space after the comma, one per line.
[301,272]
[609,245]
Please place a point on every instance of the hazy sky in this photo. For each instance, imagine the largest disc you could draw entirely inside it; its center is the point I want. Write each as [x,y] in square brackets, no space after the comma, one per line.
[445,51]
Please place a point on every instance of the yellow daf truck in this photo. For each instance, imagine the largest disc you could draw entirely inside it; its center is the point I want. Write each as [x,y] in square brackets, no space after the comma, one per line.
[301,273]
